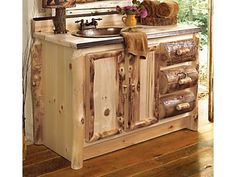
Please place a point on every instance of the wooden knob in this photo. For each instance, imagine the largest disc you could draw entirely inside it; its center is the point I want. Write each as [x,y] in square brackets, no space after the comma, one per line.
[122,71]
[133,87]
[121,119]
[182,51]
[124,89]
[130,68]
[185,80]
[182,106]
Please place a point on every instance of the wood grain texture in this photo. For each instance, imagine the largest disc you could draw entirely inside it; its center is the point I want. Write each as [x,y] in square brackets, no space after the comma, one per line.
[141,95]
[184,153]
[160,13]
[57,76]
[156,87]
[157,21]
[104,103]
[136,136]
[210,62]
[178,51]
[82,93]
[177,79]
[78,89]
[24,145]
[32,149]
[167,9]
[169,104]
[151,6]
[181,168]
[134,93]
[37,91]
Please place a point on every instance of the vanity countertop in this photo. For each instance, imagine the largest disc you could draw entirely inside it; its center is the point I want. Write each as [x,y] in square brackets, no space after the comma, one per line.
[152,32]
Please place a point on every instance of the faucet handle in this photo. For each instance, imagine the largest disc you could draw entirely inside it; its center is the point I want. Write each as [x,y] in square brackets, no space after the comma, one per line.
[81,25]
[96,19]
[77,21]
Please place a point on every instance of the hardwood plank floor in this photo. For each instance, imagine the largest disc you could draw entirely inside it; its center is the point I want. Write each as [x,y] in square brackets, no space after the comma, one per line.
[181,154]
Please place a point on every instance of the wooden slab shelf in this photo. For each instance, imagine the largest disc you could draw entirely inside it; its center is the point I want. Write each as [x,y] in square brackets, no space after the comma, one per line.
[98,99]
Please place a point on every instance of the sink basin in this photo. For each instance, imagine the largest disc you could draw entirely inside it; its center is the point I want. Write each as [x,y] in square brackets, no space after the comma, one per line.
[99,32]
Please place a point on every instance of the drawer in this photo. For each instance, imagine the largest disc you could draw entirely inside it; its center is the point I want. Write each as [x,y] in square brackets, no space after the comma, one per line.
[178,78]
[176,104]
[178,51]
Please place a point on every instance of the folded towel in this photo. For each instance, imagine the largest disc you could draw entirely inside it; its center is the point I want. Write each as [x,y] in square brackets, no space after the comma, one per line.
[136,43]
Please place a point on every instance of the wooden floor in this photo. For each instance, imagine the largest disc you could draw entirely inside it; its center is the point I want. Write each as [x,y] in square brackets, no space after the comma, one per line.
[181,154]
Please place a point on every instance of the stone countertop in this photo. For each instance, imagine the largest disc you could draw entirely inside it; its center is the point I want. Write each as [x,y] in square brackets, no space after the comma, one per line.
[152,32]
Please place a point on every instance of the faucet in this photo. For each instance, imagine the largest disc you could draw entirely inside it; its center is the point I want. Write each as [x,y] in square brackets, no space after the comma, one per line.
[88,25]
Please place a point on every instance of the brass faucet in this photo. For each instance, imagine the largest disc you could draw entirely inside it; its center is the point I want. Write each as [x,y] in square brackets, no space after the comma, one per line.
[88,25]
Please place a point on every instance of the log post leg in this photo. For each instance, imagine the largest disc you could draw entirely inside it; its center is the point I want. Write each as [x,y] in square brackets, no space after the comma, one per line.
[210,65]
[193,121]
[37,91]
[24,144]
[78,74]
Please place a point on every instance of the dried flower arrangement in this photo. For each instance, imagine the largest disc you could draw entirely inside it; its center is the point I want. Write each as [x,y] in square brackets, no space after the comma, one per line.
[135,9]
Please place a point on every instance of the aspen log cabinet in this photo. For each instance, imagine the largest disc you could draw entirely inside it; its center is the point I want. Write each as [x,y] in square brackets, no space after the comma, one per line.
[89,98]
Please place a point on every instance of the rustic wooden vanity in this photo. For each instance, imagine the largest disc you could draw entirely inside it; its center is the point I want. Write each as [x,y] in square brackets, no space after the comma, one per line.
[89,99]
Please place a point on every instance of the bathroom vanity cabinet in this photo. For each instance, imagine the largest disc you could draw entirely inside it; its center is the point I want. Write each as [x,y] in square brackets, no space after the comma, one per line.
[91,98]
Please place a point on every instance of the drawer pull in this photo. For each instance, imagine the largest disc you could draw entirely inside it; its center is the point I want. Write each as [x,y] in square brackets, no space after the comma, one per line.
[182,106]
[185,80]
[182,51]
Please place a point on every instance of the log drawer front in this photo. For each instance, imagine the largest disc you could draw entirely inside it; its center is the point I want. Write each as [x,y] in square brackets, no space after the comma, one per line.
[177,78]
[178,51]
[176,104]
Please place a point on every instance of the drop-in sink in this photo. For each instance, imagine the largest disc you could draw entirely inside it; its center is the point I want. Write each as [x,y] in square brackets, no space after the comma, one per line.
[98,32]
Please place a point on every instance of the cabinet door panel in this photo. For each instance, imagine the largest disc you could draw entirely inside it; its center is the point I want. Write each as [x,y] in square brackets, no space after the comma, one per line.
[142,92]
[105,94]
[104,106]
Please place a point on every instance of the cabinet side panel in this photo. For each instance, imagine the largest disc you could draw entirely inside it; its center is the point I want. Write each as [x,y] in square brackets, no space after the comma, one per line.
[49,123]
[64,101]
[57,132]
[67,121]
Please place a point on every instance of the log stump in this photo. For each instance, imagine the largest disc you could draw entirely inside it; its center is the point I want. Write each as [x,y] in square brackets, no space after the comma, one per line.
[160,13]
[59,21]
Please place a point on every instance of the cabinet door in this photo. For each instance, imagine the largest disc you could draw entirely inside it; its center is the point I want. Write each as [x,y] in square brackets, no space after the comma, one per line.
[144,91]
[104,98]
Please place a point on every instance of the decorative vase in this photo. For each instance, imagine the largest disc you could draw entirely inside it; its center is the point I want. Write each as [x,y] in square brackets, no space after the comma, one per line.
[129,20]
